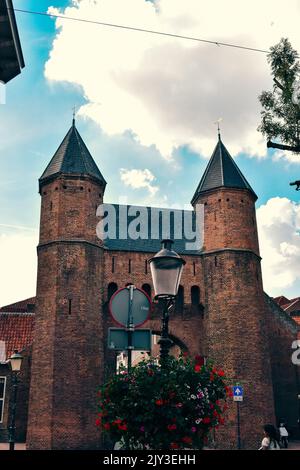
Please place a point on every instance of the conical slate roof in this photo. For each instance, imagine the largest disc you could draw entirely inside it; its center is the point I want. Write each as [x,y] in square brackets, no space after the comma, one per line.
[222,172]
[72,158]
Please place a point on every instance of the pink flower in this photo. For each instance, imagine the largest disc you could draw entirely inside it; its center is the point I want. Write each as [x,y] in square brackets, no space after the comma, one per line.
[142,429]
[193,429]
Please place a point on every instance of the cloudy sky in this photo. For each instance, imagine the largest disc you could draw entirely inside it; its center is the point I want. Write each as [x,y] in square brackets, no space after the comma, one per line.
[146,109]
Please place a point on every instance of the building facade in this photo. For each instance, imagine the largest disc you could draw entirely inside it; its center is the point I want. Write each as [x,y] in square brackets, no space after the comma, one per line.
[221,312]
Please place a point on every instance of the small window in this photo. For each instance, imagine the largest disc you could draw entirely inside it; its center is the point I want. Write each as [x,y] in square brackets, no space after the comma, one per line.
[146,266]
[70,307]
[129,266]
[51,206]
[112,288]
[113,264]
[195,295]
[2,397]
[147,288]
[180,300]
[194,268]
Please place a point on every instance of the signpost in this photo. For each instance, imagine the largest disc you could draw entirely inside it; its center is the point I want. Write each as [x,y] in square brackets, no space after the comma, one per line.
[118,339]
[130,308]
[238,396]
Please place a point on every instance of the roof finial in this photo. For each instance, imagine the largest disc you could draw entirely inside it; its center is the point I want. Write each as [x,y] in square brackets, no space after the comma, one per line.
[219,130]
[74,114]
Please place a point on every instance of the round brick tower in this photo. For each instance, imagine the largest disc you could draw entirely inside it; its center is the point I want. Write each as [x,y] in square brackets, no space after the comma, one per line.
[67,364]
[237,339]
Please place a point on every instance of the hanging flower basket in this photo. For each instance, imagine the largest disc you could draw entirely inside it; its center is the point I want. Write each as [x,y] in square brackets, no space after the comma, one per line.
[174,407]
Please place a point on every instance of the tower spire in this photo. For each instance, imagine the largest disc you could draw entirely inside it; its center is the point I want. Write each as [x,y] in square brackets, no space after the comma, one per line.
[218,121]
[74,116]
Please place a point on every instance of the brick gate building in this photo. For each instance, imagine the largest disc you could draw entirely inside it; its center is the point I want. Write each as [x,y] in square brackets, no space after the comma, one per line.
[221,313]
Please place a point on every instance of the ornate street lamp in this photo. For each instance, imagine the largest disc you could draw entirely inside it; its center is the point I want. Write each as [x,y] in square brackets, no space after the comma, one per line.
[15,363]
[166,270]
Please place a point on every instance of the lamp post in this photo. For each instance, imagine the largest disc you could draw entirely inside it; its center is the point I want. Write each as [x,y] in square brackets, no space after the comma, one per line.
[15,363]
[166,270]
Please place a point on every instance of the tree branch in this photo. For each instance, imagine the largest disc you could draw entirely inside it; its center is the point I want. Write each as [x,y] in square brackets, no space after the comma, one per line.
[277,83]
[290,148]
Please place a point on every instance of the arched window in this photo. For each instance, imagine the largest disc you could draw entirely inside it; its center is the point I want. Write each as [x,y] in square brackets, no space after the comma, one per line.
[180,299]
[195,295]
[112,288]
[147,288]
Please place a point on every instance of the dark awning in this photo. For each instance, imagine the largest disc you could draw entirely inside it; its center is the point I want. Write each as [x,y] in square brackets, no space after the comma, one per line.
[11,57]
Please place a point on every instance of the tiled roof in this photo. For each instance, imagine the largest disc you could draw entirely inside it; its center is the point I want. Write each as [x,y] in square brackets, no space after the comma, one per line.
[222,172]
[72,158]
[292,306]
[150,243]
[22,306]
[281,300]
[16,330]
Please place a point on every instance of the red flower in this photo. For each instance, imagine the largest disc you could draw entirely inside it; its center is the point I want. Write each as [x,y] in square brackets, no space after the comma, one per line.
[221,373]
[229,391]
[179,405]
[117,421]
[174,445]
[106,426]
[98,422]
[185,354]
[159,402]
[187,439]
[221,420]
[212,377]
[206,420]
[215,413]
[122,427]
[211,406]
[172,427]
[199,360]
[150,372]
[197,368]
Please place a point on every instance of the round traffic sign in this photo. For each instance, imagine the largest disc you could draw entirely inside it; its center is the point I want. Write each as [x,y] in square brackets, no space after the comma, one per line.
[130,305]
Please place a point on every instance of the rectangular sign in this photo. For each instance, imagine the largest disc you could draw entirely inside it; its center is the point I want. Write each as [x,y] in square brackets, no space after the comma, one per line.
[118,339]
[238,393]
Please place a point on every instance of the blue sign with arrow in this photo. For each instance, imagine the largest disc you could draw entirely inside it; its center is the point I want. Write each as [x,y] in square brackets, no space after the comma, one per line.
[238,393]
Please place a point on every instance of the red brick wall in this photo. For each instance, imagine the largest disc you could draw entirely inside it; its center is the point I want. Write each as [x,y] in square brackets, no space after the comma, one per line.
[229,220]
[68,209]
[68,358]
[285,375]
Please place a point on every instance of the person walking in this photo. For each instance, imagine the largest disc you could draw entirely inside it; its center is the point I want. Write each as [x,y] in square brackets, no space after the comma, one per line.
[270,440]
[283,435]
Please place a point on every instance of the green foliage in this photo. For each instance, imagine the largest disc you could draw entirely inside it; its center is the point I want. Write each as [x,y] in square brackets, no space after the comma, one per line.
[163,408]
[281,110]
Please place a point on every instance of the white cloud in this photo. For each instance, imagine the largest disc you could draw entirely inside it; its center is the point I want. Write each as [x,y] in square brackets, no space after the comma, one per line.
[138,179]
[279,238]
[289,157]
[169,91]
[19,265]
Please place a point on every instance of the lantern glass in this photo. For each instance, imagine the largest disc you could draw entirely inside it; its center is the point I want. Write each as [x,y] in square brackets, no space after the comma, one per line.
[166,269]
[16,362]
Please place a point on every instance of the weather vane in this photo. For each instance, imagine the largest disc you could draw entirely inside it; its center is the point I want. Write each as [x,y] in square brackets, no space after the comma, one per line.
[218,121]
[74,114]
